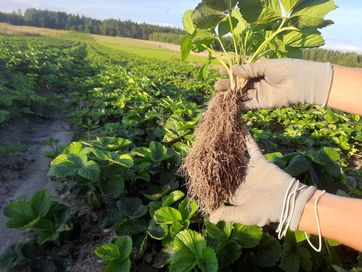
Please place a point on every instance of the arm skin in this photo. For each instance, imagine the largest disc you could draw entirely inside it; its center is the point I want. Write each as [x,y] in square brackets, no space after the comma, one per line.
[340,219]
[346,91]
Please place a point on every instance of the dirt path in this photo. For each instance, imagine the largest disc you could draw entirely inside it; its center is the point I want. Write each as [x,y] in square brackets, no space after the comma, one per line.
[26,172]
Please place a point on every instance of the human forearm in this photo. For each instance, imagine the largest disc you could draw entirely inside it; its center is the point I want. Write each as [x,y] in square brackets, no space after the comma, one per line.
[340,219]
[346,91]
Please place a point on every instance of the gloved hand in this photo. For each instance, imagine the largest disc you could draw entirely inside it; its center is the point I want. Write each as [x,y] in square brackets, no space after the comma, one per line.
[283,82]
[260,198]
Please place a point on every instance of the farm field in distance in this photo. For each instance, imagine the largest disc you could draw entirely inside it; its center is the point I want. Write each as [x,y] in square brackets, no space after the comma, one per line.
[142,48]
[109,120]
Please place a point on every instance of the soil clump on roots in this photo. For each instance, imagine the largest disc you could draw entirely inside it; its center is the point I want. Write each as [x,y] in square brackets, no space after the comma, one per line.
[216,165]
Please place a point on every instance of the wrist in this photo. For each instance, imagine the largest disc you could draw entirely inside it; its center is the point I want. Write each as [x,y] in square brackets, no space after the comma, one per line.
[304,198]
[307,218]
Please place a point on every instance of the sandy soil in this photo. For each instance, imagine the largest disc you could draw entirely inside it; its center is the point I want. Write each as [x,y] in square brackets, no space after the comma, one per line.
[26,172]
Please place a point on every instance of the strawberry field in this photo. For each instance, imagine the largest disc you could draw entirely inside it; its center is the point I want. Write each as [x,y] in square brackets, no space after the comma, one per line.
[121,191]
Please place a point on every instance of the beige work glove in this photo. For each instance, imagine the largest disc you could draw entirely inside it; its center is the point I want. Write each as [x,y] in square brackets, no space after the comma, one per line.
[259,199]
[283,82]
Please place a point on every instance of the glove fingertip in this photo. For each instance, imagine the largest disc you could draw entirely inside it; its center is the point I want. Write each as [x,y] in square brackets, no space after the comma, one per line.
[223,71]
[222,85]
[250,105]
[241,71]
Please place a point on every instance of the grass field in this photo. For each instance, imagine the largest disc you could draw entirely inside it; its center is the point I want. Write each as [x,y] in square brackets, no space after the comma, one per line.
[141,48]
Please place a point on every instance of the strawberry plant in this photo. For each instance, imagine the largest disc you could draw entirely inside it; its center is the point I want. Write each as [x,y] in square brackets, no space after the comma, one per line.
[258,29]
[41,214]
[116,255]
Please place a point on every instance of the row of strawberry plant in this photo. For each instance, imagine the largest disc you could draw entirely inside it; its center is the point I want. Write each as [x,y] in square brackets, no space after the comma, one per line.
[135,119]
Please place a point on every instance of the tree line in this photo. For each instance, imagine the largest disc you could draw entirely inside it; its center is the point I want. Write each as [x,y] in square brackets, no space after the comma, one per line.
[114,27]
[350,59]
[63,20]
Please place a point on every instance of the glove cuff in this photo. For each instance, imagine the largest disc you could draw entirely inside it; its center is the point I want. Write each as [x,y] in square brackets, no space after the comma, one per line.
[302,199]
[323,83]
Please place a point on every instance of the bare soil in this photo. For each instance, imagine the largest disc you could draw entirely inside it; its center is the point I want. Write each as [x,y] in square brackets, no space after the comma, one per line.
[26,172]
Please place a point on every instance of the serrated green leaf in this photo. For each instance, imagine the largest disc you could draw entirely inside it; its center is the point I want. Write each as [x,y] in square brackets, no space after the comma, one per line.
[289,5]
[241,24]
[186,47]
[11,256]
[208,261]
[187,22]
[172,198]
[187,208]
[47,236]
[310,13]
[190,251]
[113,186]
[155,193]
[217,231]
[44,225]
[89,170]
[125,160]
[131,207]
[221,5]
[228,252]
[157,151]
[131,226]
[111,143]
[124,244]
[177,226]
[20,214]
[224,26]
[298,165]
[327,154]
[290,259]
[61,166]
[247,236]
[205,17]
[73,148]
[299,236]
[108,252]
[201,38]
[123,266]
[267,253]
[167,215]
[301,39]
[333,243]
[305,259]
[40,203]
[203,72]
[260,12]
[156,231]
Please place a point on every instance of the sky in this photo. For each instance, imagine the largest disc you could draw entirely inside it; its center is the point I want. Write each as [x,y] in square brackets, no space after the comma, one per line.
[345,34]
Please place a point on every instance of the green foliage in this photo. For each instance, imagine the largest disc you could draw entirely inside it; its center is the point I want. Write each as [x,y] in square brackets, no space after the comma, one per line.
[191,251]
[116,254]
[229,240]
[49,219]
[134,120]
[258,29]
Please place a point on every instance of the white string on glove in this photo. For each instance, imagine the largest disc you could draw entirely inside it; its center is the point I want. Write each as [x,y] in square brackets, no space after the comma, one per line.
[288,210]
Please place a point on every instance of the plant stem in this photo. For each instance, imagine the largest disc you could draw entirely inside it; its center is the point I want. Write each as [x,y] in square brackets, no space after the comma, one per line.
[216,56]
[268,40]
[222,63]
[233,38]
[226,53]
[230,72]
